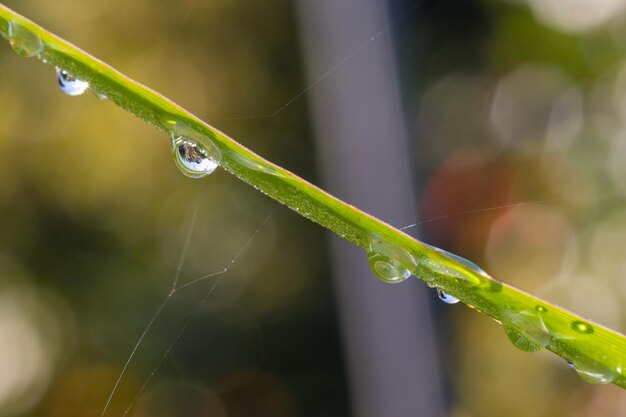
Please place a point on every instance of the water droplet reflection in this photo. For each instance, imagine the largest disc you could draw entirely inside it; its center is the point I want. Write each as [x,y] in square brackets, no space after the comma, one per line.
[193,159]
[70,85]
[446,298]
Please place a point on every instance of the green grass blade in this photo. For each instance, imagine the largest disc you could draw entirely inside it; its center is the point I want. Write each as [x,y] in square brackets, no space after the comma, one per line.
[598,353]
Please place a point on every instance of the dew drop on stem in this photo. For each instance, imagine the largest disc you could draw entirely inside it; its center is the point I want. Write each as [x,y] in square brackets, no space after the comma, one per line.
[446,298]
[526,330]
[70,85]
[23,41]
[193,159]
[387,269]
[594,372]
[389,262]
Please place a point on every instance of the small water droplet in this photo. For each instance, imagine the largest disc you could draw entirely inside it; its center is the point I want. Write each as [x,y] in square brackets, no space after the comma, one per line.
[490,285]
[193,159]
[23,41]
[593,372]
[582,327]
[541,309]
[525,330]
[70,85]
[255,165]
[99,95]
[387,269]
[571,365]
[446,298]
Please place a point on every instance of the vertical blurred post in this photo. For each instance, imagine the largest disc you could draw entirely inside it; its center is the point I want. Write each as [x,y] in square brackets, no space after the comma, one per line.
[387,329]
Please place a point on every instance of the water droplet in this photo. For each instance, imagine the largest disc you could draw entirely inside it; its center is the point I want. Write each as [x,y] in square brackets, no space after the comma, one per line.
[492,285]
[582,327]
[255,165]
[525,330]
[23,41]
[387,269]
[389,262]
[571,365]
[593,372]
[193,159]
[99,95]
[541,309]
[70,85]
[451,270]
[464,261]
[446,298]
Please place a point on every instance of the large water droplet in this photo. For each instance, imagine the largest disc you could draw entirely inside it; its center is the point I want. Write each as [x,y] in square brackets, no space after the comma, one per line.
[388,261]
[446,298]
[193,159]
[70,85]
[452,270]
[525,330]
[594,372]
[387,269]
[464,261]
[23,41]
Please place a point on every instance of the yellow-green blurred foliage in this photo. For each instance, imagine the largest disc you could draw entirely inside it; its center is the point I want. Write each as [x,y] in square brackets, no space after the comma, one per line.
[521,133]
[518,111]
[94,218]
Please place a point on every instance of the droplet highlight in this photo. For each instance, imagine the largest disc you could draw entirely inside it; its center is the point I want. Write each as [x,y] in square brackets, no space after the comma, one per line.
[23,41]
[541,309]
[446,298]
[70,85]
[193,159]
[582,327]
[525,330]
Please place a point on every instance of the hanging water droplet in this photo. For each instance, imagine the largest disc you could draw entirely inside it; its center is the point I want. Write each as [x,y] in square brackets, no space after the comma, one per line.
[387,269]
[525,330]
[70,85]
[193,159]
[23,41]
[594,372]
[446,298]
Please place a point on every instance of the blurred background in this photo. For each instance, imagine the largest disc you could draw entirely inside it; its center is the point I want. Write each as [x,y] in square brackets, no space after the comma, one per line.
[497,125]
